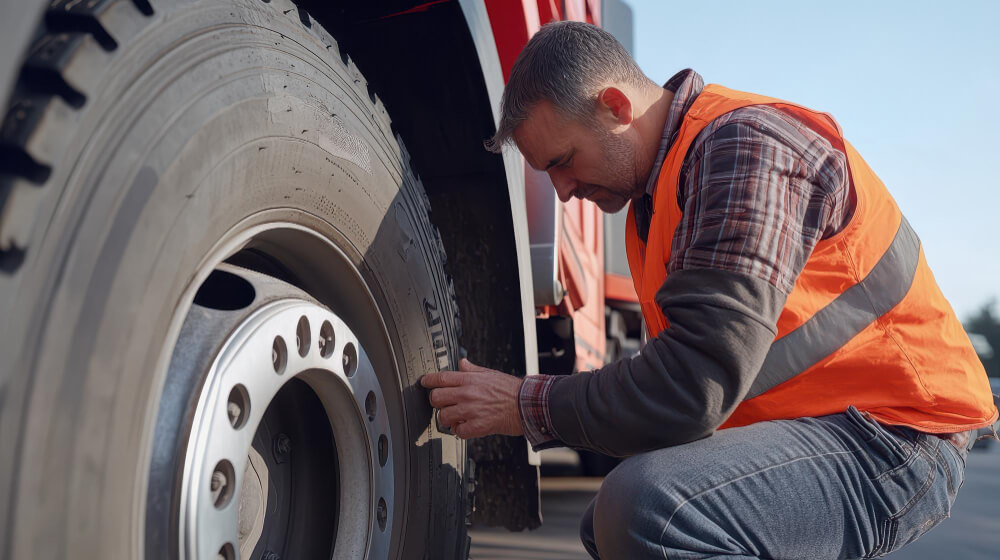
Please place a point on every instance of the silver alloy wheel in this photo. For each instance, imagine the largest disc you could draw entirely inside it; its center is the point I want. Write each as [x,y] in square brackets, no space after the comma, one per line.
[282,335]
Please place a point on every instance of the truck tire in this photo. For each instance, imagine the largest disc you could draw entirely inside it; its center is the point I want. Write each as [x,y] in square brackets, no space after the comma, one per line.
[176,176]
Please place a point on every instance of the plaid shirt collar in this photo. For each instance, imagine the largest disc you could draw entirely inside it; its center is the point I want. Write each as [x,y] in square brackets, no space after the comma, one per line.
[686,85]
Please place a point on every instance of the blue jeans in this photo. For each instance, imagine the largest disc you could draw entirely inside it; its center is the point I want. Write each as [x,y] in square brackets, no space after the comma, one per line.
[839,486]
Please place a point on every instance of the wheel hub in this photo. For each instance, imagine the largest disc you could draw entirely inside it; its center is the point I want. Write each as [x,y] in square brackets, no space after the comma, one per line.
[281,365]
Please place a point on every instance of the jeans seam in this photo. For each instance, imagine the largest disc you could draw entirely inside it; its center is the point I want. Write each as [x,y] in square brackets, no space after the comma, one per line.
[893,532]
[949,475]
[962,457]
[914,452]
[865,420]
[666,526]
[886,542]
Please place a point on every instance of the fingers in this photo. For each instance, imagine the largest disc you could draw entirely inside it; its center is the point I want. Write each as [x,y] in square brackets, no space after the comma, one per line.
[446,396]
[465,365]
[442,379]
[471,429]
[451,378]
[459,398]
[464,422]
[452,416]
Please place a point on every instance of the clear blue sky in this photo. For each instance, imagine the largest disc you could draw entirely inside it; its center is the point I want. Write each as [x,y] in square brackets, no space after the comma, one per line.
[915,86]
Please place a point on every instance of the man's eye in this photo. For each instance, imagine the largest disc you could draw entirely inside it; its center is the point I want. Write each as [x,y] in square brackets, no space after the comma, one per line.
[566,164]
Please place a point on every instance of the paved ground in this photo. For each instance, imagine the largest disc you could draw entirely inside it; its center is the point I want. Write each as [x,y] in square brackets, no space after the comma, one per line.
[972,533]
[563,501]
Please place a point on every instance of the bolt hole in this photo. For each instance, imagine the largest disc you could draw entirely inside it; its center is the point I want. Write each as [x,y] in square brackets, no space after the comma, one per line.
[238,406]
[326,340]
[350,359]
[222,483]
[371,406]
[302,337]
[227,552]
[279,355]
[382,514]
[383,450]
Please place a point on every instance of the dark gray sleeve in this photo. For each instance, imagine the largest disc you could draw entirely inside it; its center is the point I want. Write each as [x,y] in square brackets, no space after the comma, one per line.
[686,381]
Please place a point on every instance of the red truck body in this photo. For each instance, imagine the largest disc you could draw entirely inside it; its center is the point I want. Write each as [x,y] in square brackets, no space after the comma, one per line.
[592,288]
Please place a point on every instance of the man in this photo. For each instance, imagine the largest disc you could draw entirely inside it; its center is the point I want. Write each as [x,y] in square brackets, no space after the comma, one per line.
[791,314]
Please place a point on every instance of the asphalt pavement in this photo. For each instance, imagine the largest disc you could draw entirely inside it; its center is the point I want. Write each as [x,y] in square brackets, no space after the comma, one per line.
[563,502]
[972,532]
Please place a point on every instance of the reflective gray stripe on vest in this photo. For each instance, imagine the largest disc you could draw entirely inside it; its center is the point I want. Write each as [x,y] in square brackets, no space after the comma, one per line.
[843,318]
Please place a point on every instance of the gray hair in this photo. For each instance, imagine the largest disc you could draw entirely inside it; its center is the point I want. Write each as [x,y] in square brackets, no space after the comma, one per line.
[566,63]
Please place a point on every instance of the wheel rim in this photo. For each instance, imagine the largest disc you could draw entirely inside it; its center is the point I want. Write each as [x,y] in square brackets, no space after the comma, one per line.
[287,338]
[299,242]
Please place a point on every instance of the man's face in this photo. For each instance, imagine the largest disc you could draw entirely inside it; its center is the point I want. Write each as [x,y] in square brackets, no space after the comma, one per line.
[586,160]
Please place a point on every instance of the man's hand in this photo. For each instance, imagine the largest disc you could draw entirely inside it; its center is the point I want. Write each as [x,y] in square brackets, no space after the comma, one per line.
[475,401]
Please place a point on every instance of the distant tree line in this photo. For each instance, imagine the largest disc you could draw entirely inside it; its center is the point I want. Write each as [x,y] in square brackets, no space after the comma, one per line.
[986,323]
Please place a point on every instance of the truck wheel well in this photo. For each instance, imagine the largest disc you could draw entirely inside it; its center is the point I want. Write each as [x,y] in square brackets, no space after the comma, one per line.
[421,60]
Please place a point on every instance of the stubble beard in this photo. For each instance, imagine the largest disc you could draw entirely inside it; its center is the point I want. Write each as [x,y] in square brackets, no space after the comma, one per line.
[621,165]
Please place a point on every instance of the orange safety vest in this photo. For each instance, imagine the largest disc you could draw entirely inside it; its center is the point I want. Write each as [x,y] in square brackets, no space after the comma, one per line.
[865,324]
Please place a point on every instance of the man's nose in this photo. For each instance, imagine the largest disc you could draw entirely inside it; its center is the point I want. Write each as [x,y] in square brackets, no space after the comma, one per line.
[564,186]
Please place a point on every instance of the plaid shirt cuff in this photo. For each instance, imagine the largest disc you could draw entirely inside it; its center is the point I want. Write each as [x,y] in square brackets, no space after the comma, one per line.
[533,404]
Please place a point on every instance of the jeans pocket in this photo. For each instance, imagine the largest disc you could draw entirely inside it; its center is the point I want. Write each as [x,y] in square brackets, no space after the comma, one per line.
[888,448]
[933,497]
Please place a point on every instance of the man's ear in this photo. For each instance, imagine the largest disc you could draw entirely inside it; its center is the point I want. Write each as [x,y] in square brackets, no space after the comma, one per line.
[615,101]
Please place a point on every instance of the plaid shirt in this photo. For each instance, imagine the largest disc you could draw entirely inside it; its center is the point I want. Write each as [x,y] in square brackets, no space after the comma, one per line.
[758,190]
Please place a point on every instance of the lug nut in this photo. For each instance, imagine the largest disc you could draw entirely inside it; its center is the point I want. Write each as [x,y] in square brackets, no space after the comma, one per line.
[279,355]
[238,406]
[383,450]
[302,336]
[381,514]
[326,339]
[234,412]
[282,448]
[222,484]
[350,359]
[218,484]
